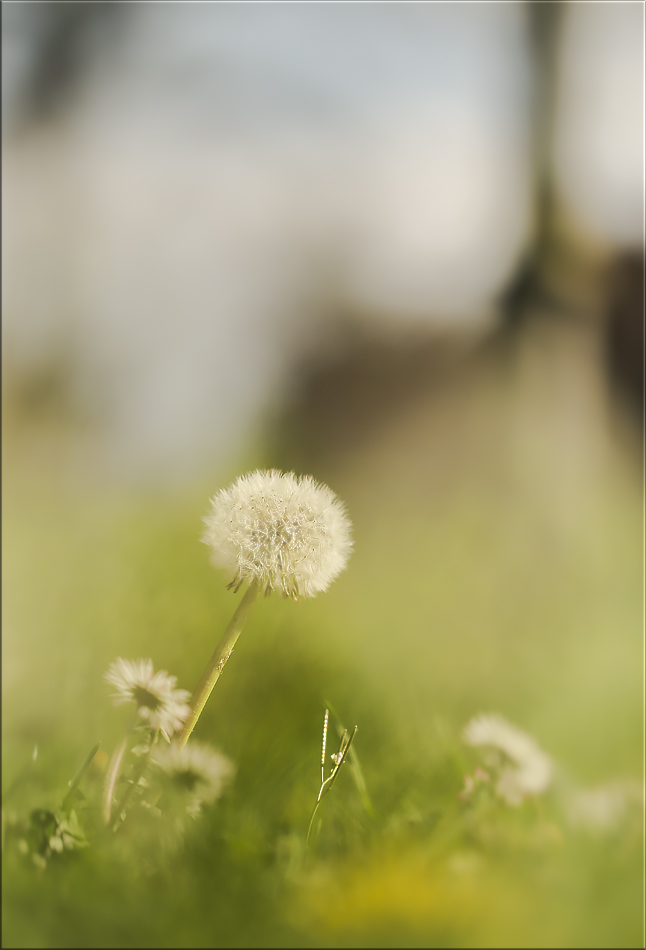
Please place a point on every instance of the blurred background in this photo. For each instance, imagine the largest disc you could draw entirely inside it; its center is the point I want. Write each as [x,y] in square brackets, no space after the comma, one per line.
[399,247]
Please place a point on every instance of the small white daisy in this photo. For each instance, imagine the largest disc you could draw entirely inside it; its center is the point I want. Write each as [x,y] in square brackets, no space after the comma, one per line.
[283,531]
[158,702]
[525,769]
[195,773]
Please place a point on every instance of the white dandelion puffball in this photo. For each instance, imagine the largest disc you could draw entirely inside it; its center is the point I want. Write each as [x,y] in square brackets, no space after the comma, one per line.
[196,772]
[527,770]
[283,531]
[158,701]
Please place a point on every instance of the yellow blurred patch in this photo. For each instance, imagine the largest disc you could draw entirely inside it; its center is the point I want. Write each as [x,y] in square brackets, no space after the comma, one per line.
[397,893]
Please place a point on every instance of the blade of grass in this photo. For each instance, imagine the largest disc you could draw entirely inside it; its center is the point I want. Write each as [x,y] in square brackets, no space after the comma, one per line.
[356,770]
[79,775]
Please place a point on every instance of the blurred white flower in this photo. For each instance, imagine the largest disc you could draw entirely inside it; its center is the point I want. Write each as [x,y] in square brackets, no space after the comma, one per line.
[523,768]
[280,530]
[158,701]
[602,809]
[195,773]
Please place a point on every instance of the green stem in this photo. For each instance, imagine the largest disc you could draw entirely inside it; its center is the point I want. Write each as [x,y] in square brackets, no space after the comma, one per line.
[309,830]
[217,662]
[143,762]
[113,771]
[326,784]
[74,784]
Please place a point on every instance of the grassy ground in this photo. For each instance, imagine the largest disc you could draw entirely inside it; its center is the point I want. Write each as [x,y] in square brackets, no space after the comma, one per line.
[497,568]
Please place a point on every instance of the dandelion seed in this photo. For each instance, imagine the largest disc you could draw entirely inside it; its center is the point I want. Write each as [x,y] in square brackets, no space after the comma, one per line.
[524,769]
[196,773]
[282,531]
[158,702]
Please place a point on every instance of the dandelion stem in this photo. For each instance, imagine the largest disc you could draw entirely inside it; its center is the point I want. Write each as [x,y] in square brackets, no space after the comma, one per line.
[217,662]
[135,781]
[113,771]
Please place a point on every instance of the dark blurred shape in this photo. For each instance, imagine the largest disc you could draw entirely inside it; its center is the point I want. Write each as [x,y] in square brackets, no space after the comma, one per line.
[529,288]
[43,392]
[625,329]
[63,35]
[342,403]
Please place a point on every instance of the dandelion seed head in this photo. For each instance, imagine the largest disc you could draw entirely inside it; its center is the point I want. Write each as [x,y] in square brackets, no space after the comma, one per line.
[283,531]
[196,773]
[525,769]
[159,703]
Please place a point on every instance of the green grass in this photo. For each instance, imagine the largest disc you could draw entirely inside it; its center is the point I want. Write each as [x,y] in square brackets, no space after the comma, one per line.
[454,603]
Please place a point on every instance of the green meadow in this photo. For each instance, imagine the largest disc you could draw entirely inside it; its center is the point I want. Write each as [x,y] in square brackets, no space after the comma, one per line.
[496,569]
